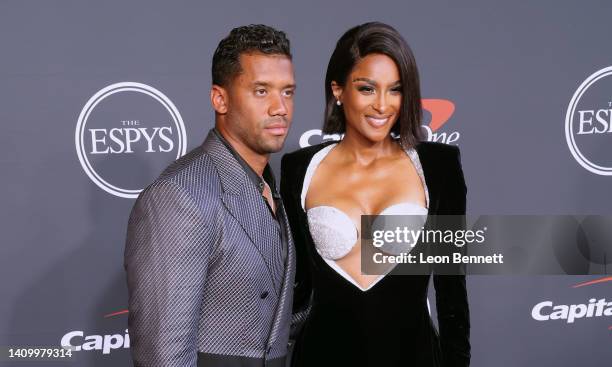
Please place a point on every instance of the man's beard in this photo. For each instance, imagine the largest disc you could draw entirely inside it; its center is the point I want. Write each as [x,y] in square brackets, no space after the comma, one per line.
[275,143]
[257,142]
[272,145]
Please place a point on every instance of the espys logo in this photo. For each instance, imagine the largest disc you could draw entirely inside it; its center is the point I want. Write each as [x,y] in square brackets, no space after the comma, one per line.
[440,110]
[588,123]
[549,311]
[126,134]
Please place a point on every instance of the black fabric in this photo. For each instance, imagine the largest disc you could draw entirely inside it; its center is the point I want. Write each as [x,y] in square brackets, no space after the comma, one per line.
[221,360]
[388,325]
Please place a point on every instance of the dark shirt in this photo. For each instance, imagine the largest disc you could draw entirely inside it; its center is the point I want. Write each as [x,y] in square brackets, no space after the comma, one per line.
[258,181]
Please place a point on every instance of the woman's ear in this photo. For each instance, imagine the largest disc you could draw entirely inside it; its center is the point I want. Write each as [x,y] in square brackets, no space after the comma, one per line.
[337,91]
[219,99]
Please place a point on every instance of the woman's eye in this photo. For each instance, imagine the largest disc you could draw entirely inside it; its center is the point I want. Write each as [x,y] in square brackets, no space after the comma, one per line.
[396,90]
[366,89]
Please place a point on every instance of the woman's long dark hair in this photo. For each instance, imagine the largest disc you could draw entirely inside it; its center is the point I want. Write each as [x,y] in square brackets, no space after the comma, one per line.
[355,44]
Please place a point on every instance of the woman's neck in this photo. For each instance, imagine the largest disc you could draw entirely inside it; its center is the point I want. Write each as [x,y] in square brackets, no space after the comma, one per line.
[357,149]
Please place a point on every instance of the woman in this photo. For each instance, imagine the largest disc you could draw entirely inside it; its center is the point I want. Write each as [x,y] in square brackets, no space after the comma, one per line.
[372,93]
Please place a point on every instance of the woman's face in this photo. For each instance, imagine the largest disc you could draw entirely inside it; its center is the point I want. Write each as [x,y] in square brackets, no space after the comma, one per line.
[371,98]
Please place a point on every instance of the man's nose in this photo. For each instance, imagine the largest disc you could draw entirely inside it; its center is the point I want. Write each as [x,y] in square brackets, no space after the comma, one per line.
[278,105]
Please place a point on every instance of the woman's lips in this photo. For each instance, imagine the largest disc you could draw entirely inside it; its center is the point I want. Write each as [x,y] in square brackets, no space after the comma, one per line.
[377,121]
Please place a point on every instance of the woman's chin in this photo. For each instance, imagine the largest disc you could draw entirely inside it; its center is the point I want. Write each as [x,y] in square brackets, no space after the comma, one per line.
[372,135]
[378,135]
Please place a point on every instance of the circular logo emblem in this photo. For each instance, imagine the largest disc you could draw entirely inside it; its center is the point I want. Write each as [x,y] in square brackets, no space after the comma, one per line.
[588,123]
[126,134]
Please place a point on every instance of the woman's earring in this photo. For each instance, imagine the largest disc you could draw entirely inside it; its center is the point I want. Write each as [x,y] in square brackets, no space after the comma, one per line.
[338,102]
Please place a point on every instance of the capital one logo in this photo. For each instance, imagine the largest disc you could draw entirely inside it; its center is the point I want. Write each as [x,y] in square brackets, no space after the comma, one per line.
[595,308]
[440,111]
[126,134]
[77,340]
[588,123]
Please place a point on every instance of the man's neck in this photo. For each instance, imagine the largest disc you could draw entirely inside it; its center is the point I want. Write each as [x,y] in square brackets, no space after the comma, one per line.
[255,160]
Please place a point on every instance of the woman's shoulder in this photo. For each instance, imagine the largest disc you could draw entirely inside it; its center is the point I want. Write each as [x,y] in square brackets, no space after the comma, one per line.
[294,166]
[437,149]
[304,155]
[440,162]
[438,153]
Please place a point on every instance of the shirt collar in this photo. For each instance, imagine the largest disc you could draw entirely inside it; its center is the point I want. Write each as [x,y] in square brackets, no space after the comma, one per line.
[257,180]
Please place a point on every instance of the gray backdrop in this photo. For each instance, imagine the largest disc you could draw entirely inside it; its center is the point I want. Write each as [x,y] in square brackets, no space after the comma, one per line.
[509,69]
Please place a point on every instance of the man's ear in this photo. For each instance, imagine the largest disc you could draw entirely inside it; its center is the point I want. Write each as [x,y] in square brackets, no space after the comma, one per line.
[336,90]
[219,99]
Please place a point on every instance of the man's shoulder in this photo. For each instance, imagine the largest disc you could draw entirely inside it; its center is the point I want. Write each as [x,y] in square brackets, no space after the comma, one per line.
[194,162]
[193,174]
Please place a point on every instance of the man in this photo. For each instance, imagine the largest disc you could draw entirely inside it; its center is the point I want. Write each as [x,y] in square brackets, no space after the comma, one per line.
[209,257]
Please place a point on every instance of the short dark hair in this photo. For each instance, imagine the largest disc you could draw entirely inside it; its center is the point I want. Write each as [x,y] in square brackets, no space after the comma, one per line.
[246,39]
[355,44]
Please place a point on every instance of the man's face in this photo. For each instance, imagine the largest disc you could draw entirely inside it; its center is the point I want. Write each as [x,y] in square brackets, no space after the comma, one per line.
[260,102]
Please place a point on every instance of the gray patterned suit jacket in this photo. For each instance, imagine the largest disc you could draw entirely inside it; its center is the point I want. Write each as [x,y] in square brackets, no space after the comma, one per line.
[208,285]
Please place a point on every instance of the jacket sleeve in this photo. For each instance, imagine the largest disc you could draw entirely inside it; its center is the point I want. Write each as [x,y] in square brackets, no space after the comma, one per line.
[451,292]
[302,289]
[166,256]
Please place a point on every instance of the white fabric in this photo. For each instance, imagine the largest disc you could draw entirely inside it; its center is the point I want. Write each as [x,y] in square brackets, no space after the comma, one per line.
[331,227]
[333,232]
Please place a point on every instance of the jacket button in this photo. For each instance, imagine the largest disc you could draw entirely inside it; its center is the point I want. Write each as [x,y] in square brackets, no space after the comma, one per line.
[263,294]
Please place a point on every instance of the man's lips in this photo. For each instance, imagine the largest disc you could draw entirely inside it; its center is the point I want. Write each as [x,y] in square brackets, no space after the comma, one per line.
[277,129]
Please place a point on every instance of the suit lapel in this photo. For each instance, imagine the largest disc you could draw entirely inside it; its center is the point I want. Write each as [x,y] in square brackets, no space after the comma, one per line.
[246,213]
[432,183]
[281,317]
[245,204]
[240,197]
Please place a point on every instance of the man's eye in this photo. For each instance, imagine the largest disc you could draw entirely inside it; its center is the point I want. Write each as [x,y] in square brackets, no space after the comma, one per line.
[260,92]
[289,93]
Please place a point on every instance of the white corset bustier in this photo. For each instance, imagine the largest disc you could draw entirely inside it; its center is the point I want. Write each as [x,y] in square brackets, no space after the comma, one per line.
[333,232]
